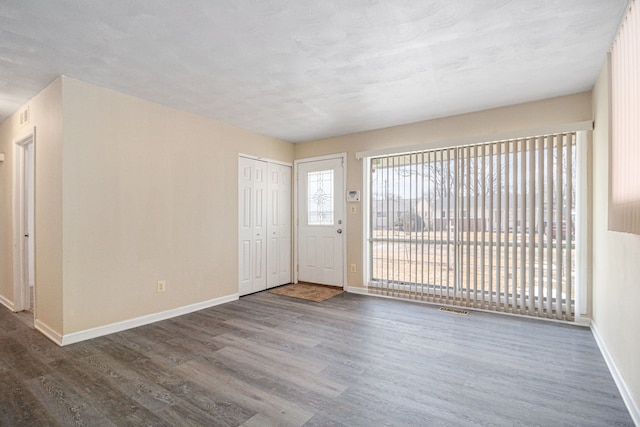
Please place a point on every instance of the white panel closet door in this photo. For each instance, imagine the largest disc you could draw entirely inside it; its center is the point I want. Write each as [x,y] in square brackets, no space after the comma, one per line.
[252,222]
[279,225]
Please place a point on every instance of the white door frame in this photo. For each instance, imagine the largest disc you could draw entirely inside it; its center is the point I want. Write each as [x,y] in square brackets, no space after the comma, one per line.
[21,297]
[343,157]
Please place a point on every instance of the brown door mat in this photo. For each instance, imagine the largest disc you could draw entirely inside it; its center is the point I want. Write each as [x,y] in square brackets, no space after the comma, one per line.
[308,291]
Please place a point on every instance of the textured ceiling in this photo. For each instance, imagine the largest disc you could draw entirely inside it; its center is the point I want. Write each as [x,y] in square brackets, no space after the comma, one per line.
[306,69]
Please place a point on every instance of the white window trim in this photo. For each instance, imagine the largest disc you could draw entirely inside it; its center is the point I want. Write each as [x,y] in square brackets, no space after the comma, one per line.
[481,139]
[583,222]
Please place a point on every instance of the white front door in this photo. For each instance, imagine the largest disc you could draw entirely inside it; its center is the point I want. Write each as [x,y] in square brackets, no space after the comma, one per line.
[321,221]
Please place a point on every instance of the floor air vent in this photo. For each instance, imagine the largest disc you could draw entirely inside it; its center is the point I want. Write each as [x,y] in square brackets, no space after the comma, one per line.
[454,311]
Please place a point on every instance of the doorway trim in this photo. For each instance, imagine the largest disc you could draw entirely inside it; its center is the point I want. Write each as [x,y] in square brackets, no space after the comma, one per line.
[343,157]
[20,184]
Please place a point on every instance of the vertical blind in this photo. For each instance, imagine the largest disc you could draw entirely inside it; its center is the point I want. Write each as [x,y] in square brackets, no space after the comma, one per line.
[624,179]
[487,226]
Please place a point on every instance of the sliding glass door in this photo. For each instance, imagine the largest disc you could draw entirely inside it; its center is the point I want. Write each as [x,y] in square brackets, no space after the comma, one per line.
[488,226]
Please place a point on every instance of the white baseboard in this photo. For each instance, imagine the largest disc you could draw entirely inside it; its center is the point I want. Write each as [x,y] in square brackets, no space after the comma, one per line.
[7,303]
[99,331]
[48,331]
[583,322]
[356,290]
[365,291]
[632,406]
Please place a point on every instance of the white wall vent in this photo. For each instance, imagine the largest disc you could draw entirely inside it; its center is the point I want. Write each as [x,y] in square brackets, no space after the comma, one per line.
[24,116]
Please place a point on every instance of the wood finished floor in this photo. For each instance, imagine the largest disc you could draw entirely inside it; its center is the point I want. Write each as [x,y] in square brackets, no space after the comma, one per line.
[351,360]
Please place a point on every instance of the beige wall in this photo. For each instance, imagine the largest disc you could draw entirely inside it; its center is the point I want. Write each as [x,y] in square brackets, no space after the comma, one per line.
[150,193]
[8,131]
[435,134]
[616,266]
[127,193]
[46,117]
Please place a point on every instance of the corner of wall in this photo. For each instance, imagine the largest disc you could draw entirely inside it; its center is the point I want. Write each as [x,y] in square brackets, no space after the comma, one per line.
[7,136]
[47,115]
[44,121]
[614,265]
[625,392]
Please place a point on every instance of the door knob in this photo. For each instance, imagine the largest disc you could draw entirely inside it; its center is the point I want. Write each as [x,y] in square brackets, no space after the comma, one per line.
[339,230]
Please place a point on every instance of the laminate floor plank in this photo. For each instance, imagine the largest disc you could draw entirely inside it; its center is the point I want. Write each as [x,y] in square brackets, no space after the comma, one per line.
[19,407]
[352,360]
[200,325]
[186,414]
[261,328]
[103,394]
[283,373]
[64,404]
[301,362]
[248,390]
[126,380]
[15,356]
[197,401]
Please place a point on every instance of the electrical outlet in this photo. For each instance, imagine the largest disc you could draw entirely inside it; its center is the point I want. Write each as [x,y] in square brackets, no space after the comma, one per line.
[161,286]
[353,208]
[353,268]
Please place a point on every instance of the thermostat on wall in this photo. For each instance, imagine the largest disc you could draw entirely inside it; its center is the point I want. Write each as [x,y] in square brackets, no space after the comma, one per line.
[353,196]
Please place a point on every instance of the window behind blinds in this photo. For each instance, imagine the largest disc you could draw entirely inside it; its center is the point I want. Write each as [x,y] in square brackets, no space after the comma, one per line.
[488,226]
